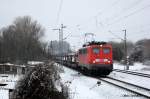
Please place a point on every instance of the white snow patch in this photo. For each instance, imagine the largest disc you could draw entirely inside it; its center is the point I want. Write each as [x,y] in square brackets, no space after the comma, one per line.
[83,87]
[11,80]
[4,94]
[138,80]
[138,67]
[34,62]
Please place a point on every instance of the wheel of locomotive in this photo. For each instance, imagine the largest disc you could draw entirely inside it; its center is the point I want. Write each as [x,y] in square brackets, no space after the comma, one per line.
[92,73]
[106,72]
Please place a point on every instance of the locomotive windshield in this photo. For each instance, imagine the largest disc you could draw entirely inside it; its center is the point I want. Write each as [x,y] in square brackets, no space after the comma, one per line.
[96,50]
[106,50]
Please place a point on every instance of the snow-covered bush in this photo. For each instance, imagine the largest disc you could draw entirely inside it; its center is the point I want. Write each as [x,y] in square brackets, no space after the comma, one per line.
[41,83]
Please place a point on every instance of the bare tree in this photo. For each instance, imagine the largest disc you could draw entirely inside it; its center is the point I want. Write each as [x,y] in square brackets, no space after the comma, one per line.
[22,40]
[141,51]
[54,47]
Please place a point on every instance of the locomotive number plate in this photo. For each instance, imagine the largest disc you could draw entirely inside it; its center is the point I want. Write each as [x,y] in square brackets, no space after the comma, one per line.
[98,60]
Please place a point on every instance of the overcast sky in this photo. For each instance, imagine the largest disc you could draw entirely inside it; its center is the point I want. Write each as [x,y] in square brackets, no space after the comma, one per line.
[105,18]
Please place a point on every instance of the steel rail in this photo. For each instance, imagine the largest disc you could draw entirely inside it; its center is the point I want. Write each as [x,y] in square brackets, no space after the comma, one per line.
[133,73]
[145,92]
[135,90]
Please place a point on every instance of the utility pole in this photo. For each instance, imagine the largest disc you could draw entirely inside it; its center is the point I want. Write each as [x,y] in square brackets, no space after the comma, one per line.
[125,47]
[60,38]
[51,49]
[59,30]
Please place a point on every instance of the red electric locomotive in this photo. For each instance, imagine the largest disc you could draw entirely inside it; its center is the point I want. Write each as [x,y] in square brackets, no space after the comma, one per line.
[96,57]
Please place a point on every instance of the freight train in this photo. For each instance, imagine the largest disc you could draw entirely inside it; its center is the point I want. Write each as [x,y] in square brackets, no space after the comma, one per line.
[93,57]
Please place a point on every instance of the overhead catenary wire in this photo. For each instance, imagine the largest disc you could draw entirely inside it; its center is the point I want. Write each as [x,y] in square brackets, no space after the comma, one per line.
[124,17]
[99,13]
[141,31]
[95,17]
[145,35]
[116,35]
[114,3]
[111,6]
[136,29]
[59,11]
[131,6]
[130,14]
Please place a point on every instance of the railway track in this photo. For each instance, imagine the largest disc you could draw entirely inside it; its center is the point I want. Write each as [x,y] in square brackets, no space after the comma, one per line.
[141,91]
[133,73]
[138,90]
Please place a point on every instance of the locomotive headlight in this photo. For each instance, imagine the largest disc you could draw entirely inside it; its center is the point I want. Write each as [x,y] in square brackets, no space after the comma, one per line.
[105,60]
[93,61]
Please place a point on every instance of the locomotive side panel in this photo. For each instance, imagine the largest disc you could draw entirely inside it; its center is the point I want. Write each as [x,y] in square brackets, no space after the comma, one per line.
[83,57]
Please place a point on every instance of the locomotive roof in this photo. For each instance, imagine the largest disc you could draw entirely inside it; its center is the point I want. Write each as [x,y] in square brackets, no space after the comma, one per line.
[94,43]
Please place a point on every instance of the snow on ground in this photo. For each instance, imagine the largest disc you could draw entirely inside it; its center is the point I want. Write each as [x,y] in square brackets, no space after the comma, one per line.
[34,62]
[138,67]
[10,80]
[83,87]
[4,94]
[138,80]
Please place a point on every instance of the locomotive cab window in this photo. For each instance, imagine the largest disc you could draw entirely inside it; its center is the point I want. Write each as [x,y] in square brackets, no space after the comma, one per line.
[96,50]
[83,51]
[106,50]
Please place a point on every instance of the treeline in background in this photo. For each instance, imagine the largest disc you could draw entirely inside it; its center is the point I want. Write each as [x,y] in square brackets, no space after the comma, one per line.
[22,41]
[136,52]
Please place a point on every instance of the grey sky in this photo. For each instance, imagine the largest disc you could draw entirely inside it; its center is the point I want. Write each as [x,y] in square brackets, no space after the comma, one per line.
[83,16]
